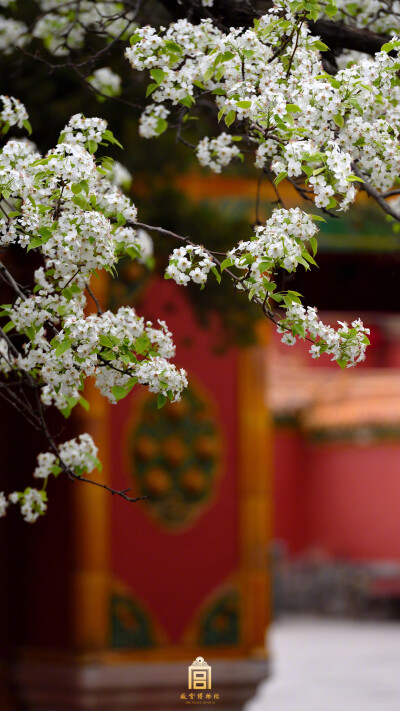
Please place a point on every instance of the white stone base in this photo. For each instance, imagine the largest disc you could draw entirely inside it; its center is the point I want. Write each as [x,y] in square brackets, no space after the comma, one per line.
[46,686]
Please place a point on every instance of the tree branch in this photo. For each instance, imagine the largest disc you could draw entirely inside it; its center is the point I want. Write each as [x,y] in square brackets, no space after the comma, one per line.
[370,190]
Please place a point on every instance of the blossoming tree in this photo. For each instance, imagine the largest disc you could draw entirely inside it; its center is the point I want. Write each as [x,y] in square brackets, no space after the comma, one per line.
[309,91]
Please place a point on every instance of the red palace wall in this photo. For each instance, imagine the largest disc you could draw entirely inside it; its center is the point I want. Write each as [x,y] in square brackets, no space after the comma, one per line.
[341,498]
[169,571]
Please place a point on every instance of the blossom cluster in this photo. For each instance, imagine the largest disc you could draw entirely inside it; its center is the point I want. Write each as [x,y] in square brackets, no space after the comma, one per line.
[72,213]
[13,33]
[63,26]
[106,82]
[67,207]
[78,455]
[13,113]
[346,345]
[153,121]
[33,503]
[302,122]
[374,15]
[216,153]
[280,243]
[189,263]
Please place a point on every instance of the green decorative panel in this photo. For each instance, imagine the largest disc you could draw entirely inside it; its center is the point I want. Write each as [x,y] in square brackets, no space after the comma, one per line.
[219,624]
[174,457]
[131,627]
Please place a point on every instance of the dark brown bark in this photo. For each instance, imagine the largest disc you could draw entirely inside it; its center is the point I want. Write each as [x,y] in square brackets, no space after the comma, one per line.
[339,36]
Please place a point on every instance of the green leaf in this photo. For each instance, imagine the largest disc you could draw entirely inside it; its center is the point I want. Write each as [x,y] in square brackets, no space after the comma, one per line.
[105,341]
[332,204]
[142,344]
[388,46]
[330,10]
[62,347]
[82,401]
[320,45]
[27,126]
[230,117]
[269,286]
[67,293]
[109,136]
[161,400]
[309,258]
[173,46]
[30,332]
[135,39]
[35,242]
[92,146]
[307,169]
[280,177]
[162,125]
[342,362]
[199,84]
[226,263]
[71,402]
[293,108]
[216,274]
[157,74]
[243,104]
[150,89]
[226,56]
[187,101]
[314,245]
[339,120]
[300,330]
[8,327]
[118,392]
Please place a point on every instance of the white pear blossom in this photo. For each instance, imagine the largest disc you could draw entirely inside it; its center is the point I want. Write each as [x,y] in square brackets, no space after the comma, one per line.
[189,263]
[217,153]
[106,81]
[3,504]
[13,112]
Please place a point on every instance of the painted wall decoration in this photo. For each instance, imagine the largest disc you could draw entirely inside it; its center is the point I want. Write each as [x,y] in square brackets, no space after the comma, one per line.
[131,627]
[174,456]
[220,622]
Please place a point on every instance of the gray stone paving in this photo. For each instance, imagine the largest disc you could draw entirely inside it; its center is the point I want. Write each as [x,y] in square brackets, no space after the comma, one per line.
[330,665]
